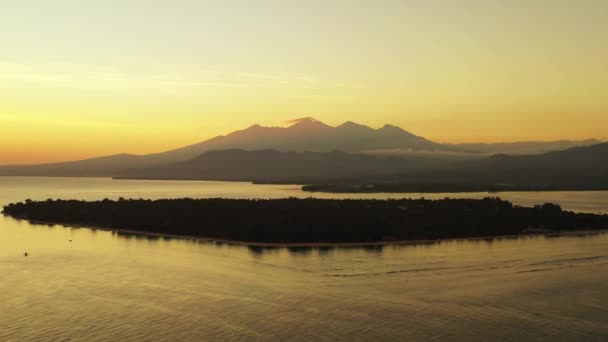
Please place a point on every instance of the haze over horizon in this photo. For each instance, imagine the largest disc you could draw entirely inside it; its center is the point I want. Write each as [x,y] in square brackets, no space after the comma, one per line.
[308,134]
[82,79]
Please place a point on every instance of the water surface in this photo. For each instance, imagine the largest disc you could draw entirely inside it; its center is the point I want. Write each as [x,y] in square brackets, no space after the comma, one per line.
[105,286]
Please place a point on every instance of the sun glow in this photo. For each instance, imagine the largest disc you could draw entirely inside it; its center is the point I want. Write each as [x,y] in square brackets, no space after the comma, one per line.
[86,79]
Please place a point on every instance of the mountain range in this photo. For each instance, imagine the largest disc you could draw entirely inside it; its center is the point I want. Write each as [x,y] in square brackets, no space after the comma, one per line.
[582,168]
[304,135]
[575,168]
[272,166]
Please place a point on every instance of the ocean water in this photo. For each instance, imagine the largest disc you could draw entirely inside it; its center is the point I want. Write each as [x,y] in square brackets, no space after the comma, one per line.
[94,285]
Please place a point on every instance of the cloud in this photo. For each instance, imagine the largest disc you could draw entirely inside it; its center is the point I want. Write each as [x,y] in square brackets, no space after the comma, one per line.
[307,119]
[158,77]
[100,77]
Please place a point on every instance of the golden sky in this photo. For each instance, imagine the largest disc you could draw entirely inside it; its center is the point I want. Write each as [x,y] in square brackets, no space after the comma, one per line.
[89,78]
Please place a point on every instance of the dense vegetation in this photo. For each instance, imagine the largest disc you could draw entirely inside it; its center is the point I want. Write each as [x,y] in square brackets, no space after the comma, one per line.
[310,220]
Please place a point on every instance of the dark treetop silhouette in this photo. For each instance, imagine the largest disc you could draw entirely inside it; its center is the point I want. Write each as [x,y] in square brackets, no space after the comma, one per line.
[311,220]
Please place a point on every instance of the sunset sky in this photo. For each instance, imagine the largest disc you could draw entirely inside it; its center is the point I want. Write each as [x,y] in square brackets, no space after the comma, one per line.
[89,78]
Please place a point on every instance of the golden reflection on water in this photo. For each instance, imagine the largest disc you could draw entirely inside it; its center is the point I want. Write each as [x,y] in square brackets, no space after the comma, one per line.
[112,286]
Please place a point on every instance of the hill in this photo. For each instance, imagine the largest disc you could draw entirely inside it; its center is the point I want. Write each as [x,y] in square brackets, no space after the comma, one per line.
[94,167]
[304,135]
[579,168]
[523,147]
[576,168]
[274,166]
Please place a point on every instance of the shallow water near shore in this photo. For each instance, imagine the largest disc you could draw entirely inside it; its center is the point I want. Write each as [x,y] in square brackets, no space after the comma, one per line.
[94,285]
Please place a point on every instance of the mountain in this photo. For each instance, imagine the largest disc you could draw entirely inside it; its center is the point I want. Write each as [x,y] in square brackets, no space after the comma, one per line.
[576,168]
[523,147]
[279,167]
[306,134]
[579,168]
[95,167]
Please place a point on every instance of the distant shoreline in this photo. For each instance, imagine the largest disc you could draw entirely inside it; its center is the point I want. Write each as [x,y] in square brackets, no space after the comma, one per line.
[434,188]
[358,188]
[374,188]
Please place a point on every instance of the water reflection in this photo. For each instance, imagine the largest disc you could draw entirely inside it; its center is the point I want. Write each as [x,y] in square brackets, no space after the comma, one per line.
[142,236]
[322,250]
[122,286]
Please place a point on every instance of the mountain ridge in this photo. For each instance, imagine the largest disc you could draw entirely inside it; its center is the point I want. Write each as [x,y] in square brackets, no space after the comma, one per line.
[583,168]
[304,134]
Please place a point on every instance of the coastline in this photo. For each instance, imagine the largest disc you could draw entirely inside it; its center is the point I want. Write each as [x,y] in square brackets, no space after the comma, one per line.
[311,188]
[433,189]
[313,244]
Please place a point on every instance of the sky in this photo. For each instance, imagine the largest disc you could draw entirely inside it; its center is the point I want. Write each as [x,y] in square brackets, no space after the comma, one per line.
[88,78]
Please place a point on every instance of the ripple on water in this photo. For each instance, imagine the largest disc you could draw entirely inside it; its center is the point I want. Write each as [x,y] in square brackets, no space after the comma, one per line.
[106,286]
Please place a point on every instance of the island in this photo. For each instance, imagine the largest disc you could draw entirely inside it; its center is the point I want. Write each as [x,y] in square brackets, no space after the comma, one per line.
[309,221]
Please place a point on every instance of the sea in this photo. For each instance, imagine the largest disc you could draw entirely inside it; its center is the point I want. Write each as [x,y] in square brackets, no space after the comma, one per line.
[81,284]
